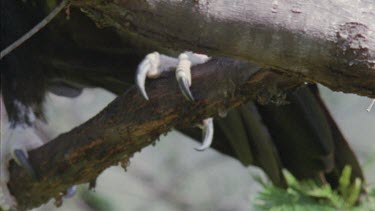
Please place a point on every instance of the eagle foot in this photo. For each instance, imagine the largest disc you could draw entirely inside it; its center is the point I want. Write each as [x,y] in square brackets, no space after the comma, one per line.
[154,64]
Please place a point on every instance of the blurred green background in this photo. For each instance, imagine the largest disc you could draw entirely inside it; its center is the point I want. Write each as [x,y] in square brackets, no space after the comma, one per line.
[172,176]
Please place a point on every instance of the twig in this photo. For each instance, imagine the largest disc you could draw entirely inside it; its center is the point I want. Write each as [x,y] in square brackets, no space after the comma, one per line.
[34,30]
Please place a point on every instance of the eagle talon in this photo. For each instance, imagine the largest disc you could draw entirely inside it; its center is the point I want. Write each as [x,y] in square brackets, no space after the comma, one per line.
[371,105]
[207,133]
[183,75]
[148,67]
[154,64]
[22,160]
[184,87]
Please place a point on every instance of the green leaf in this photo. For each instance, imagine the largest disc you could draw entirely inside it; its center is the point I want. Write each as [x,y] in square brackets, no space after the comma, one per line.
[311,195]
[344,180]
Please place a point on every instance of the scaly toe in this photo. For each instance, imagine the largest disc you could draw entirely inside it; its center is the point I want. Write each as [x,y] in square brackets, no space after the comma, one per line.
[183,75]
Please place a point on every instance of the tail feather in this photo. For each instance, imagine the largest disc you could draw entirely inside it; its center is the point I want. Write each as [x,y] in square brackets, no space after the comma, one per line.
[301,137]
[343,155]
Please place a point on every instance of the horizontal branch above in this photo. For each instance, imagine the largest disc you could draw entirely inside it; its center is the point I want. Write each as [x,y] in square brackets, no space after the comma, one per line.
[329,42]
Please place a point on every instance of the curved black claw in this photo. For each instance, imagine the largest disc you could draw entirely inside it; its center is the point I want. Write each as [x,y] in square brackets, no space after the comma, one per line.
[22,160]
[208,134]
[183,83]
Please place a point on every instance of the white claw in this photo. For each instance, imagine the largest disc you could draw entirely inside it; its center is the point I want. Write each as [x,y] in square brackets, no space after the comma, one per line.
[183,76]
[154,64]
[148,67]
[371,105]
[207,133]
[183,71]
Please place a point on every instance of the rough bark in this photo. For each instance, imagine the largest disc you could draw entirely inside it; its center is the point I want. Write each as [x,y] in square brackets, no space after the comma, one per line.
[130,123]
[330,42]
[317,41]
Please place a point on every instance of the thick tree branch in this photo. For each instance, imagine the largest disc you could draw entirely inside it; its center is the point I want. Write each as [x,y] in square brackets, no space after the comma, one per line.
[130,123]
[330,42]
[319,41]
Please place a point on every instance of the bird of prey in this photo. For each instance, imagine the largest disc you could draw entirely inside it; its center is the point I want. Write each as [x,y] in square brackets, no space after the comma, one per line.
[68,55]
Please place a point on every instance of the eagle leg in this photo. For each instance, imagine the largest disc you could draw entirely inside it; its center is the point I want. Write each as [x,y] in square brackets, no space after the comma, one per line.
[154,64]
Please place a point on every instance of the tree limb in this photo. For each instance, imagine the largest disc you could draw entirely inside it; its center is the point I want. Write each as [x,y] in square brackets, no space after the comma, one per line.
[331,46]
[130,123]
[329,42]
